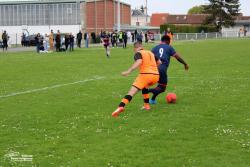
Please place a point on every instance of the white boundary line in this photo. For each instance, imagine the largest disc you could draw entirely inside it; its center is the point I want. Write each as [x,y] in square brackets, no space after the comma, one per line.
[50,87]
[98,78]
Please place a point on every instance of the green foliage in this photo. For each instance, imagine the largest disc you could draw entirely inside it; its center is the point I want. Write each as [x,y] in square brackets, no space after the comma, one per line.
[188,29]
[72,125]
[197,10]
[222,12]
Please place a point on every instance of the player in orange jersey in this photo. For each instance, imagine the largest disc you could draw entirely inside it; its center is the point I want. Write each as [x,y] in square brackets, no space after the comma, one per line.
[148,76]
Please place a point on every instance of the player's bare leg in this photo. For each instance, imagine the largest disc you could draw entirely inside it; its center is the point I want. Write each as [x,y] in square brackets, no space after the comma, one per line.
[133,90]
[145,94]
[107,51]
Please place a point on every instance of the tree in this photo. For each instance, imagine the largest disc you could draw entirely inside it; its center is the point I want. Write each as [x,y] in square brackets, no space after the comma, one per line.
[222,12]
[197,10]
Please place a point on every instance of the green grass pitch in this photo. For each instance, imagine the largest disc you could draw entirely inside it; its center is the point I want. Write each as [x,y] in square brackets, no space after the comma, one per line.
[57,108]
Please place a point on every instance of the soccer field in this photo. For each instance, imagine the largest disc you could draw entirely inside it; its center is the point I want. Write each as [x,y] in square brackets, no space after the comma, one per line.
[55,109]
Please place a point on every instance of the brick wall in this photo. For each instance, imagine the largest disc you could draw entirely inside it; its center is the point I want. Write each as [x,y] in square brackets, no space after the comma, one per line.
[102,15]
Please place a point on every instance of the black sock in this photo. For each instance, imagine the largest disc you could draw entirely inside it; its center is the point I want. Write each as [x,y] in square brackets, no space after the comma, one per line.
[157,90]
[125,100]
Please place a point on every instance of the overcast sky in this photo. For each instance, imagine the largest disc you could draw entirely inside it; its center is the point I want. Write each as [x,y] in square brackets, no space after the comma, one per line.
[176,6]
[179,6]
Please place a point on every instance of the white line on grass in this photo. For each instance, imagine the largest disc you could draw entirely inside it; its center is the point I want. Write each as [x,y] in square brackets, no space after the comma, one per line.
[98,78]
[51,87]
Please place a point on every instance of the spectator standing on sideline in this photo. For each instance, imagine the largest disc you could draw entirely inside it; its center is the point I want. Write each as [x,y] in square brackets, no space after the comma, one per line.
[71,42]
[66,41]
[79,39]
[120,37]
[5,40]
[245,31]
[46,42]
[38,42]
[139,37]
[146,37]
[93,36]
[51,41]
[23,40]
[129,37]
[135,35]
[114,39]
[125,39]
[86,39]
[58,41]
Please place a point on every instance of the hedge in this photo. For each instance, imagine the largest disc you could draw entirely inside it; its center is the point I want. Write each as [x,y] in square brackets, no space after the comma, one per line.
[188,28]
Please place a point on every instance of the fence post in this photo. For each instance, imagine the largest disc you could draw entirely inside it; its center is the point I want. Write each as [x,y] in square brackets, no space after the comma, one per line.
[216,35]
[196,35]
[186,36]
[177,36]
[16,39]
[206,35]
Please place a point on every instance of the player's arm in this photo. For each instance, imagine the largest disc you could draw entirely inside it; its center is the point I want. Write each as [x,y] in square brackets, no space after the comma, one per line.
[180,59]
[102,40]
[157,60]
[137,63]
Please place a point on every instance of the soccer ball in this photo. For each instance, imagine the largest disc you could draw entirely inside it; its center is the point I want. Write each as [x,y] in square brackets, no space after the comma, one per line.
[171,98]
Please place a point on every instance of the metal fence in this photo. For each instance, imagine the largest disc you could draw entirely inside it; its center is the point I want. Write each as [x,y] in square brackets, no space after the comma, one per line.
[200,36]
[15,39]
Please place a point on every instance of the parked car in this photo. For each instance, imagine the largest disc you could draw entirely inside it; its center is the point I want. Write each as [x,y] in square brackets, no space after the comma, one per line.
[31,41]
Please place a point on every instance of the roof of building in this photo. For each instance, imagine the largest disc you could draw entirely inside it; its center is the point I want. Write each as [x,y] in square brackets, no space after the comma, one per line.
[186,19]
[158,19]
[138,12]
[242,18]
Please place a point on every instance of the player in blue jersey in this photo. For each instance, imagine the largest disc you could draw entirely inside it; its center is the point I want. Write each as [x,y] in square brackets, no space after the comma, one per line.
[164,52]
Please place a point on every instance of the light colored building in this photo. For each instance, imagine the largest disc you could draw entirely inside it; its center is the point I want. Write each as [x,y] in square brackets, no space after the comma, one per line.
[41,16]
[139,18]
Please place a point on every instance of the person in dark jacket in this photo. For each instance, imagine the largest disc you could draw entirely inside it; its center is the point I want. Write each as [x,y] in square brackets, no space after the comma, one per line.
[125,39]
[86,39]
[58,41]
[71,42]
[5,40]
[38,40]
[66,41]
[79,39]
[146,37]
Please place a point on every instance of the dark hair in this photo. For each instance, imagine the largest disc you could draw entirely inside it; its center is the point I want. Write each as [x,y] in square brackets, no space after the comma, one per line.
[165,38]
[137,44]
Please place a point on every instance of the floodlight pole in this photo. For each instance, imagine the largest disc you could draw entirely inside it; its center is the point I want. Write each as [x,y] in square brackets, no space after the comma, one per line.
[146,12]
[118,16]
